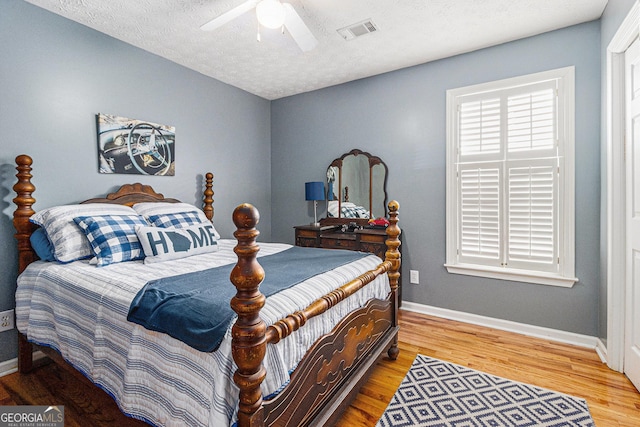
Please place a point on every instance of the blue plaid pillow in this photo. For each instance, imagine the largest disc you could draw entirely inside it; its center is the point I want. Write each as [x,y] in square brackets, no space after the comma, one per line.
[160,210]
[180,220]
[113,237]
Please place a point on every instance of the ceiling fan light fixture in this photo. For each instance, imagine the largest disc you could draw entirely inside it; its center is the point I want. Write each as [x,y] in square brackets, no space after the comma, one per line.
[270,13]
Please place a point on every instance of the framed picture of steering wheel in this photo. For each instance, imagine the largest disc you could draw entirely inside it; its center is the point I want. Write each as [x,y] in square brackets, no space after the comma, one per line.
[131,146]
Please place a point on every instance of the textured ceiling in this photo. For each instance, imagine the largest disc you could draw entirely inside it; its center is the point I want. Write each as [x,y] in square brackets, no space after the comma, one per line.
[409,32]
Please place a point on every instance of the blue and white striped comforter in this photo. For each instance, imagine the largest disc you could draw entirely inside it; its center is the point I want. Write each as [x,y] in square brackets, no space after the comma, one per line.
[81,311]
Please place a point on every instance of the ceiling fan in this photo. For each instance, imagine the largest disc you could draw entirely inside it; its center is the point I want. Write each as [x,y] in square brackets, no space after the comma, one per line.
[271,14]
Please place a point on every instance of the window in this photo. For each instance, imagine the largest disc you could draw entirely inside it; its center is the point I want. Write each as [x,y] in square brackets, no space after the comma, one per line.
[510,179]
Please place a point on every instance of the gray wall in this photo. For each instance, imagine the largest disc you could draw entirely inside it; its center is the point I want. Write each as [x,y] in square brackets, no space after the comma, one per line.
[400,116]
[55,75]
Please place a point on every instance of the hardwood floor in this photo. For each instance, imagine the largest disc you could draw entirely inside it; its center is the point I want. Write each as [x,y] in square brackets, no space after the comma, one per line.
[612,399]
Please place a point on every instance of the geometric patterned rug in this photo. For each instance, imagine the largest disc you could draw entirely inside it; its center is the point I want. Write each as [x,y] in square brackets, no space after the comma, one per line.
[437,393]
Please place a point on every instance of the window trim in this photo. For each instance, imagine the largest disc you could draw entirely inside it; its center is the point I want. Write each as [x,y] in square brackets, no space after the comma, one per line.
[565,277]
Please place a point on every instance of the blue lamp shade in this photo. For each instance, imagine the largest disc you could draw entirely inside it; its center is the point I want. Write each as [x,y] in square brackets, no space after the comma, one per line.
[314,190]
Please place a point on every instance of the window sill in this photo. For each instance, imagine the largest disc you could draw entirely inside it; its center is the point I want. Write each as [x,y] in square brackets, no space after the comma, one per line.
[526,276]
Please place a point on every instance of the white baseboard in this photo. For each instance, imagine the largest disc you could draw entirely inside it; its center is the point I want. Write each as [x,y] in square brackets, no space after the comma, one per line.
[11,366]
[8,367]
[601,349]
[507,325]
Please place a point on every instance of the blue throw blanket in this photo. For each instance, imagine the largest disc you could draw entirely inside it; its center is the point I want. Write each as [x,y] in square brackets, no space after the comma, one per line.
[195,307]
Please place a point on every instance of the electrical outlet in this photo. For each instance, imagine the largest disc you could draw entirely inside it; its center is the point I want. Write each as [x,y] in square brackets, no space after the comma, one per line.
[7,320]
[414,277]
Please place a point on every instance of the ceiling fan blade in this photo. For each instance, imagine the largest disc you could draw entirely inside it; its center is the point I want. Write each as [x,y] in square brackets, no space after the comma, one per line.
[230,15]
[298,29]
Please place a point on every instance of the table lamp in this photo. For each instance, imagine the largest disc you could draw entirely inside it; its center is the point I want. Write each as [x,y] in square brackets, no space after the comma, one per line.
[314,191]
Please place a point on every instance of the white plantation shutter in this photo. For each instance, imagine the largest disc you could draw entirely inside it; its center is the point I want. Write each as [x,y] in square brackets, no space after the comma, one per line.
[532,225]
[480,213]
[480,127]
[509,199]
[531,121]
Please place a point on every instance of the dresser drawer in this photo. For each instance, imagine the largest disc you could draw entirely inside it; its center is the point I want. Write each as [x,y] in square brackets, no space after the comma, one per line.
[373,238]
[306,242]
[333,243]
[309,234]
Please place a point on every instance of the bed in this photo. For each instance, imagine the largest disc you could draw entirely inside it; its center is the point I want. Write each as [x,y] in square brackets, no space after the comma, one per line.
[295,358]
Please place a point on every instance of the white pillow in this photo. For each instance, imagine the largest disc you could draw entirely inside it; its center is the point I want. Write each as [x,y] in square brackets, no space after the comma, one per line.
[179,215]
[163,244]
[69,241]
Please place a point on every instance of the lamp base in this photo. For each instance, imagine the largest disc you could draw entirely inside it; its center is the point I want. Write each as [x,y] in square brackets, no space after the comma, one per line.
[315,224]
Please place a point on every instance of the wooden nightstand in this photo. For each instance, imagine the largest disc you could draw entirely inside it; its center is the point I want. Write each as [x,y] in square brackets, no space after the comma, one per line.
[331,237]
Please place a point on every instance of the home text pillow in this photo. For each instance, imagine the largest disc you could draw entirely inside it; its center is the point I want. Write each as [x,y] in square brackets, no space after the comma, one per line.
[69,241]
[163,244]
[179,215]
[113,237]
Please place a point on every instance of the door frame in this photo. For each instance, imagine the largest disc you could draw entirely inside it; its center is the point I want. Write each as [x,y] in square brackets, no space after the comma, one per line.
[616,281]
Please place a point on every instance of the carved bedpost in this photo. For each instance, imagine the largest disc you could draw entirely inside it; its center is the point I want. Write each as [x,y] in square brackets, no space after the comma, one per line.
[24,200]
[393,255]
[208,196]
[248,342]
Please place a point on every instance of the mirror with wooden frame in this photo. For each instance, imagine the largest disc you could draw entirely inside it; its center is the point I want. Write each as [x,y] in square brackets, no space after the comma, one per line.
[357,188]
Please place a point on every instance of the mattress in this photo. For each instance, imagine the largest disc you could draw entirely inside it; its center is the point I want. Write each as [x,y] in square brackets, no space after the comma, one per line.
[80,310]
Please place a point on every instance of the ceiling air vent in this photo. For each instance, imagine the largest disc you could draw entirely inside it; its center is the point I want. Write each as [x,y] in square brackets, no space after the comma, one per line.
[356,30]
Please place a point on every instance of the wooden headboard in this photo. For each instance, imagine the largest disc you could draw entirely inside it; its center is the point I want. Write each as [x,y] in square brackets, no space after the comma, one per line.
[128,194]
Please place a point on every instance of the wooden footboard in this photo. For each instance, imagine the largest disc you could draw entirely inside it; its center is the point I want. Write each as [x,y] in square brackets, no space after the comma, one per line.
[336,366]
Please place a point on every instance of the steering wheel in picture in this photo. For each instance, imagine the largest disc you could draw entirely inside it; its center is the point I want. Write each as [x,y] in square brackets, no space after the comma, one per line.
[149,149]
